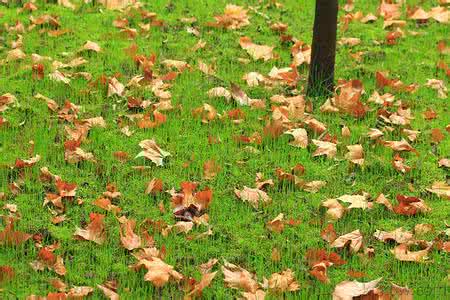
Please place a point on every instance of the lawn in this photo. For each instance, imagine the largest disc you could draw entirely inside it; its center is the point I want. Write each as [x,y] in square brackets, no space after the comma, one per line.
[221,147]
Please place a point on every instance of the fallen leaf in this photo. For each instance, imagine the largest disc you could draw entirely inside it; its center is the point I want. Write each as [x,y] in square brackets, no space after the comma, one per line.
[283,282]
[95,230]
[324,148]
[402,253]
[300,137]
[277,224]
[236,277]
[234,17]
[355,154]
[253,196]
[152,152]
[128,238]
[398,235]
[441,189]
[353,240]
[347,290]
[256,51]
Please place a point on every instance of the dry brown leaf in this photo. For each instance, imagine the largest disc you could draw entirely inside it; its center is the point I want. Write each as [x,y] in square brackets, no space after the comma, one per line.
[441,189]
[236,277]
[115,88]
[421,229]
[374,133]
[401,252]
[256,51]
[204,282]
[159,273]
[152,152]
[11,237]
[283,282]
[355,154]
[300,137]
[324,148]
[234,17]
[91,46]
[206,267]
[439,86]
[253,196]
[154,186]
[335,209]
[95,230]
[348,290]
[128,238]
[402,145]
[219,92]
[277,224]
[398,235]
[353,240]
[108,292]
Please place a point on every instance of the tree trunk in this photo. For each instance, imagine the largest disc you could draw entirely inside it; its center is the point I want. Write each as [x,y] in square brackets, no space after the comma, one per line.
[321,71]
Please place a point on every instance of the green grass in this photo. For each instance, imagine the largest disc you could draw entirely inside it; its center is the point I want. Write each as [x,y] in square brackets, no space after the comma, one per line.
[239,232]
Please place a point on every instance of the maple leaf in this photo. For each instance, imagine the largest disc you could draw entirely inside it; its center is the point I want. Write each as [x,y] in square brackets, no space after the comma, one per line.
[242,99]
[347,290]
[328,233]
[355,154]
[46,259]
[253,196]
[381,199]
[234,17]
[402,145]
[26,163]
[95,230]
[77,155]
[128,238]
[177,64]
[207,113]
[219,92]
[109,290]
[158,272]
[347,99]
[439,86]
[5,100]
[353,239]
[204,282]
[152,152]
[189,203]
[115,4]
[283,282]
[401,252]
[180,227]
[398,235]
[300,137]
[239,278]
[11,237]
[277,224]
[441,189]
[335,209]
[91,46]
[154,186]
[409,206]
[320,260]
[115,87]
[256,51]
[324,148]
[319,271]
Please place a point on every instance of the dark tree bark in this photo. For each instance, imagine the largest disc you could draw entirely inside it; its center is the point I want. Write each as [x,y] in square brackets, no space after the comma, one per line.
[321,71]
